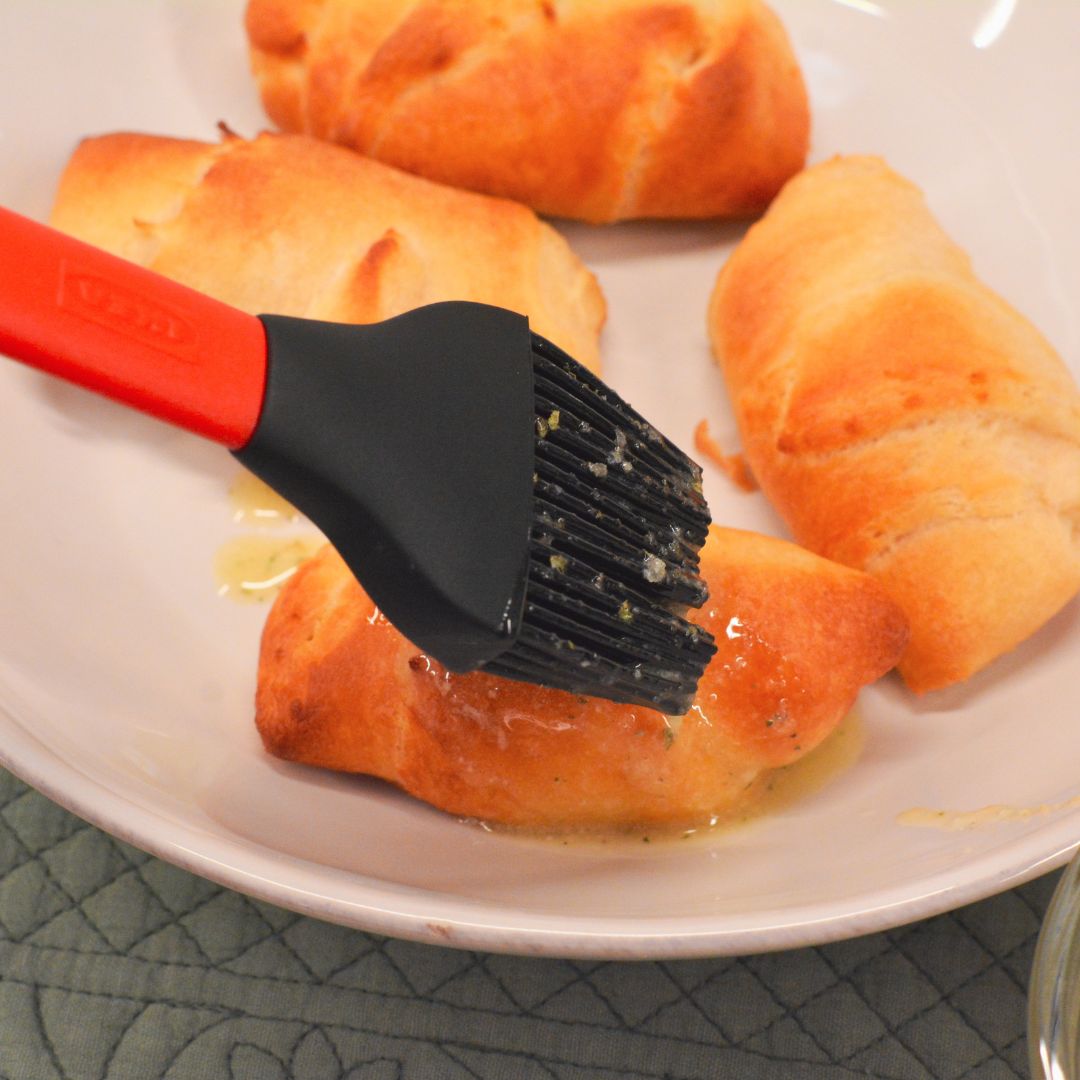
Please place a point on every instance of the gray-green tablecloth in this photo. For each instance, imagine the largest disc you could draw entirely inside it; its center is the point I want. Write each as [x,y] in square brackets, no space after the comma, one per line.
[116,965]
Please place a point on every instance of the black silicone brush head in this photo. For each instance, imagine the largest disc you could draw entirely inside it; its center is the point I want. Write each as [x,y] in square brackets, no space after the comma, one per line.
[503,507]
[618,521]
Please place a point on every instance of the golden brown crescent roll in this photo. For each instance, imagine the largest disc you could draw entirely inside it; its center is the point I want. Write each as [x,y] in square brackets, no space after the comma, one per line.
[798,636]
[593,109]
[288,225]
[902,417]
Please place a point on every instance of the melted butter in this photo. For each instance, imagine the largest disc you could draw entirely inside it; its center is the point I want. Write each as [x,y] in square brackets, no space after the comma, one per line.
[791,784]
[252,569]
[771,793]
[778,789]
[922,817]
[254,502]
[753,696]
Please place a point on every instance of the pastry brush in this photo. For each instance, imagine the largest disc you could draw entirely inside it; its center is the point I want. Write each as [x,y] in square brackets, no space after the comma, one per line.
[504,508]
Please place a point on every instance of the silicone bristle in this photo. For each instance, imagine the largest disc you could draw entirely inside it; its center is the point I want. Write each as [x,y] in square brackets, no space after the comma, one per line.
[618,523]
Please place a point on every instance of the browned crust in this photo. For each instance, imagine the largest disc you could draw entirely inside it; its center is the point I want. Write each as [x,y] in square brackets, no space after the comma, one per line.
[340,688]
[902,417]
[596,111]
[294,226]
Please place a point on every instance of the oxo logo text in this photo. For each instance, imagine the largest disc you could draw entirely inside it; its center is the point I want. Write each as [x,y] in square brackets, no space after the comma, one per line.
[123,310]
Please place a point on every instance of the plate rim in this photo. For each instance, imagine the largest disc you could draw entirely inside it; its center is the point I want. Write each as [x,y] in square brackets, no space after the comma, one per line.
[602,938]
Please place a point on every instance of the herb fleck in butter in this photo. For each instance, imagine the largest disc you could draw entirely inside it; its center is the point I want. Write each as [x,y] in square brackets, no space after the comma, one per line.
[253,568]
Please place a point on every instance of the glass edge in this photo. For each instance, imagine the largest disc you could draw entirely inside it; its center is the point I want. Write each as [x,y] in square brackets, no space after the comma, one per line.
[1052,1033]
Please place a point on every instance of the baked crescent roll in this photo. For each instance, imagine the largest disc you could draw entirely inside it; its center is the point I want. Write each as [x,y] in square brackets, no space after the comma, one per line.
[903,418]
[292,226]
[798,636]
[592,109]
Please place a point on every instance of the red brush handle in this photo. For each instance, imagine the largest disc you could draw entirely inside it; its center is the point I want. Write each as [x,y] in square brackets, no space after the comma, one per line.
[75,311]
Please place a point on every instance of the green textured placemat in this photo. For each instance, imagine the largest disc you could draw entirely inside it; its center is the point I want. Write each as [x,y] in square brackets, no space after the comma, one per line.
[115,965]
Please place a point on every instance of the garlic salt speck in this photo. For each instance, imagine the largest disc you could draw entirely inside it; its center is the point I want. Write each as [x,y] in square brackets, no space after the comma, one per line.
[654,571]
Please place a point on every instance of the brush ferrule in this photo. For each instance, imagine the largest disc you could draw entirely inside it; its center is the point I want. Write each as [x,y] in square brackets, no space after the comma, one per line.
[410,444]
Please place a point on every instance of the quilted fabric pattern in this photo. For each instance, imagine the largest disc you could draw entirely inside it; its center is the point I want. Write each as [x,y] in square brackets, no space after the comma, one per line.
[114,965]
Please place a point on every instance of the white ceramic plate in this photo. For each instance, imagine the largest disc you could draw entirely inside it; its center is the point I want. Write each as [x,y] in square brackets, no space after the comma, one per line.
[126,682]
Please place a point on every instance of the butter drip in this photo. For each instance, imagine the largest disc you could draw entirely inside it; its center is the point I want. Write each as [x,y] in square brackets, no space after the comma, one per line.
[254,502]
[922,817]
[252,567]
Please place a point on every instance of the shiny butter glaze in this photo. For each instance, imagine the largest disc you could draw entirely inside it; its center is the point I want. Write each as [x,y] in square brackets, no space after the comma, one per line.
[593,760]
[339,687]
